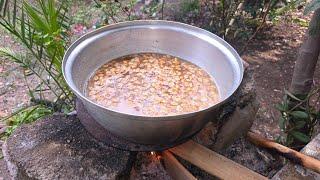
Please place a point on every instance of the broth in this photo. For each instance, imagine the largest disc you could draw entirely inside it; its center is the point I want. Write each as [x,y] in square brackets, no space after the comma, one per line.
[151,84]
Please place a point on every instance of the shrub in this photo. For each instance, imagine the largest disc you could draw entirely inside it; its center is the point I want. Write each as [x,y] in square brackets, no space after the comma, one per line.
[42,28]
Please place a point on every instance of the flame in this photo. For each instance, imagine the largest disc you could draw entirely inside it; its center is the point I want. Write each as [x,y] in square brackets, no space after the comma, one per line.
[156,155]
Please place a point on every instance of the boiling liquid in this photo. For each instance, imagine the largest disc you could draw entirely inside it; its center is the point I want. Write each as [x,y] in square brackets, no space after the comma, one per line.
[152,84]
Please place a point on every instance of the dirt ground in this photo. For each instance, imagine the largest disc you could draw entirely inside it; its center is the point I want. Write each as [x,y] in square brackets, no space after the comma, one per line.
[13,90]
[273,54]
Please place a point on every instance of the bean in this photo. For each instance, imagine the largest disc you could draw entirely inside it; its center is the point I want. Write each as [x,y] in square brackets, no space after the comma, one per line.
[152,84]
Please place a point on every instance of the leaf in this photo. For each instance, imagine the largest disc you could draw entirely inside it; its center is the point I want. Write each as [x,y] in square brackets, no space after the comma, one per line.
[14,18]
[26,20]
[282,122]
[11,55]
[5,7]
[278,139]
[28,114]
[299,114]
[300,124]
[1,3]
[300,136]
[289,140]
[317,115]
[23,27]
[292,96]
[281,107]
[301,22]
[312,6]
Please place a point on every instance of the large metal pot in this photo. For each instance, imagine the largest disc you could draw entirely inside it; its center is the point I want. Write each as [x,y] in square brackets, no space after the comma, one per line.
[193,44]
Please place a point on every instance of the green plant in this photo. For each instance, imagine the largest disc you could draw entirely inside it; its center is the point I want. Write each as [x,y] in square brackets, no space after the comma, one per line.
[298,118]
[190,6]
[271,10]
[224,18]
[42,28]
[116,11]
[84,14]
[26,115]
[236,20]
[289,6]
[153,8]
[299,109]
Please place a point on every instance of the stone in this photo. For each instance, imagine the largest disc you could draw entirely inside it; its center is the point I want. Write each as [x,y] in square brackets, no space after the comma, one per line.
[239,114]
[293,171]
[235,117]
[237,125]
[4,172]
[58,147]
[206,136]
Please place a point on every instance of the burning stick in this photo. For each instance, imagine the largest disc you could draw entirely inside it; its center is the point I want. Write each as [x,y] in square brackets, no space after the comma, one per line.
[174,168]
[214,163]
[295,156]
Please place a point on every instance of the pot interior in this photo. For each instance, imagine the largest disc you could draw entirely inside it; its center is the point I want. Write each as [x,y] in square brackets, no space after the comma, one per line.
[192,44]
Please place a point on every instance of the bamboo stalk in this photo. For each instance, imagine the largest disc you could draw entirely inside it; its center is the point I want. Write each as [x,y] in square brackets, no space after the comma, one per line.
[174,168]
[214,163]
[295,156]
[237,13]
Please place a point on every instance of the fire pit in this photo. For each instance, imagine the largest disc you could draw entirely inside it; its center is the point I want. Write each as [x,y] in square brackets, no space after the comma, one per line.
[60,147]
[195,45]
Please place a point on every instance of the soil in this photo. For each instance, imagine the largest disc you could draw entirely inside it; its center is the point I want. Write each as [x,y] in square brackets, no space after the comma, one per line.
[13,90]
[272,54]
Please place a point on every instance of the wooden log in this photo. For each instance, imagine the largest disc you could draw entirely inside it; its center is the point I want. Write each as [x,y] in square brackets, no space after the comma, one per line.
[174,168]
[295,156]
[214,163]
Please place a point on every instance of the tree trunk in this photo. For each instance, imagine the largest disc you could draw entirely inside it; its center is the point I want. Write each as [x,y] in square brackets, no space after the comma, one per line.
[306,62]
[302,79]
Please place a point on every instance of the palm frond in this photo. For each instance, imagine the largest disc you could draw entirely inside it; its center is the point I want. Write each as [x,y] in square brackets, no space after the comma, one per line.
[11,55]
[41,28]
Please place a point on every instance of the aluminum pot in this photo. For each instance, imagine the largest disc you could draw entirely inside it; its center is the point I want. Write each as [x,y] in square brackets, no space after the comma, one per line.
[190,43]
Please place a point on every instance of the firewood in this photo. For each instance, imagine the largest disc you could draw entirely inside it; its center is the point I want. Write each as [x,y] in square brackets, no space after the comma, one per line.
[294,156]
[214,163]
[174,168]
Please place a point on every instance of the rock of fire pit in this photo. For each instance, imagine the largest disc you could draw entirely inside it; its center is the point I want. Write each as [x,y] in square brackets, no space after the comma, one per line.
[58,147]
[238,122]
[236,117]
